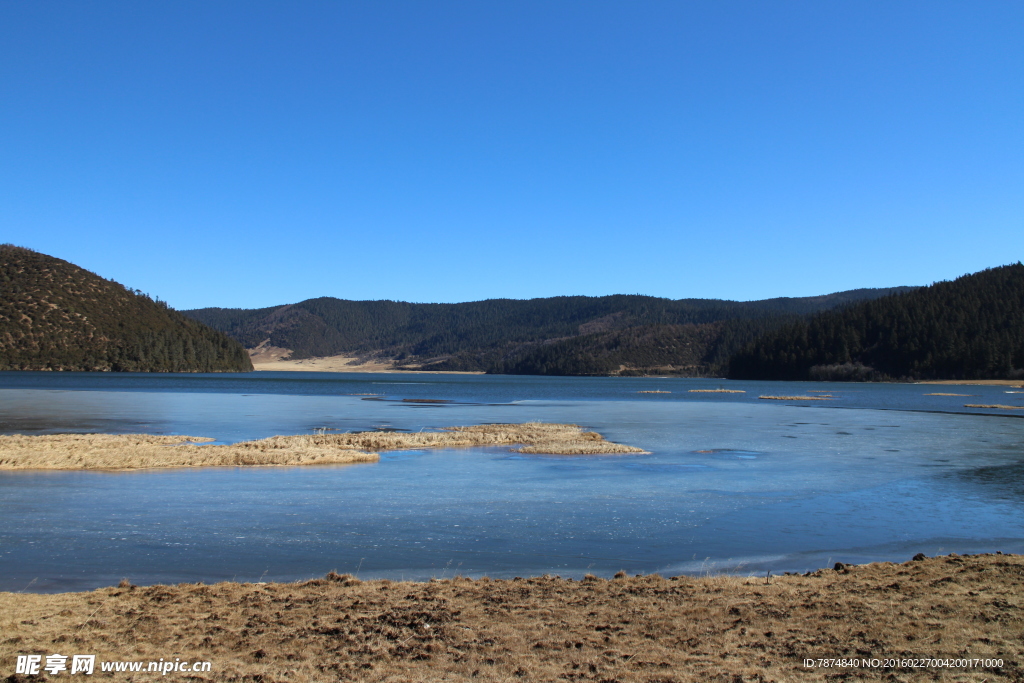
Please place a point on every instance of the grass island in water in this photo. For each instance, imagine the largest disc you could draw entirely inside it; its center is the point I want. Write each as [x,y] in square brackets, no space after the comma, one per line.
[141,451]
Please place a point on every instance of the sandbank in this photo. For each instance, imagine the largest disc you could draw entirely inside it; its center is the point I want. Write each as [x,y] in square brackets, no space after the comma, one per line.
[143,451]
[644,629]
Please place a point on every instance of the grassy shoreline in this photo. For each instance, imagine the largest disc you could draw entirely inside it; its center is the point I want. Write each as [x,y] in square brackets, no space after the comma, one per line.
[147,451]
[644,629]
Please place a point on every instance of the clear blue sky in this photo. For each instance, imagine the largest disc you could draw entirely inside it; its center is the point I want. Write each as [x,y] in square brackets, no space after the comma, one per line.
[247,154]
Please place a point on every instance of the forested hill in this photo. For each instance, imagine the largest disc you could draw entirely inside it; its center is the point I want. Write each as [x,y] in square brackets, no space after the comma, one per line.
[971,328]
[57,316]
[501,335]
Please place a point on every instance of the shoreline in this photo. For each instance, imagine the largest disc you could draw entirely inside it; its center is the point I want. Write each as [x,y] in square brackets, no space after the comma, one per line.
[342,367]
[976,382]
[148,451]
[631,629]
[341,364]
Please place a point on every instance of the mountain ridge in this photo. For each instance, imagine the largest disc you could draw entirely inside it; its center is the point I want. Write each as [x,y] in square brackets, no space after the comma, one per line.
[488,335]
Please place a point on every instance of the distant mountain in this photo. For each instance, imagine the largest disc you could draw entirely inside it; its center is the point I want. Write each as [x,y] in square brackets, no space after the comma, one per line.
[523,336]
[971,328]
[57,316]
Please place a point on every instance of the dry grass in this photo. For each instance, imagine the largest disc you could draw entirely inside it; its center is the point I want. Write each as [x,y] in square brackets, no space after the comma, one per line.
[536,437]
[140,451]
[541,437]
[717,391]
[998,406]
[797,398]
[633,630]
[135,451]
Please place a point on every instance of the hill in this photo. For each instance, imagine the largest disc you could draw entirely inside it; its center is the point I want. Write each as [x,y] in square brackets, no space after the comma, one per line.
[970,328]
[691,350]
[506,335]
[57,316]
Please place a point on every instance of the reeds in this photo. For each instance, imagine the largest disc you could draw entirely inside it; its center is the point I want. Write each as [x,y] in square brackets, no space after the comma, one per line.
[142,451]
[138,451]
[997,406]
[718,391]
[536,437]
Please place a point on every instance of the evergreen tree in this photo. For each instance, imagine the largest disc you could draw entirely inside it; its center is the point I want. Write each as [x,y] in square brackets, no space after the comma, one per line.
[57,316]
[971,328]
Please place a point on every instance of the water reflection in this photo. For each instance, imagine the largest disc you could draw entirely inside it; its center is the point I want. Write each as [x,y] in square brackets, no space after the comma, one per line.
[1004,482]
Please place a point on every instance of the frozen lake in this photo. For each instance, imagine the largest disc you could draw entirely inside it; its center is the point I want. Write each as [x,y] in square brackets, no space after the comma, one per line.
[733,483]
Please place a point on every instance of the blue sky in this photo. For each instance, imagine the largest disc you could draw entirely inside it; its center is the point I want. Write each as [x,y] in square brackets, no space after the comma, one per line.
[247,154]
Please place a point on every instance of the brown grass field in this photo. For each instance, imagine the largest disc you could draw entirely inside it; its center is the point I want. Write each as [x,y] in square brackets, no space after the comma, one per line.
[644,629]
[136,451]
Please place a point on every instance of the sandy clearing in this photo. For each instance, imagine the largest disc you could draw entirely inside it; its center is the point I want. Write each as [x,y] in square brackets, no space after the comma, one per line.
[267,358]
[341,364]
[324,364]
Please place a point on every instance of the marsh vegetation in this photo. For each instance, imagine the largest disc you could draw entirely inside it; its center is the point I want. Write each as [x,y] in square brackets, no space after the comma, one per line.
[138,451]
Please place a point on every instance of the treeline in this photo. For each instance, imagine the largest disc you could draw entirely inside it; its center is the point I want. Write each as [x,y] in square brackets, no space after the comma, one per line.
[970,328]
[57,316]
[686,350]
[499,335]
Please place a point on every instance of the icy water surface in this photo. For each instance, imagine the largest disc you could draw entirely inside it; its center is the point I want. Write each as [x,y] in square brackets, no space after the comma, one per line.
[733,483]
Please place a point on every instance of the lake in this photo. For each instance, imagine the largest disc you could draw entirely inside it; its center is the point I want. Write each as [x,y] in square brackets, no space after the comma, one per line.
[733,483]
